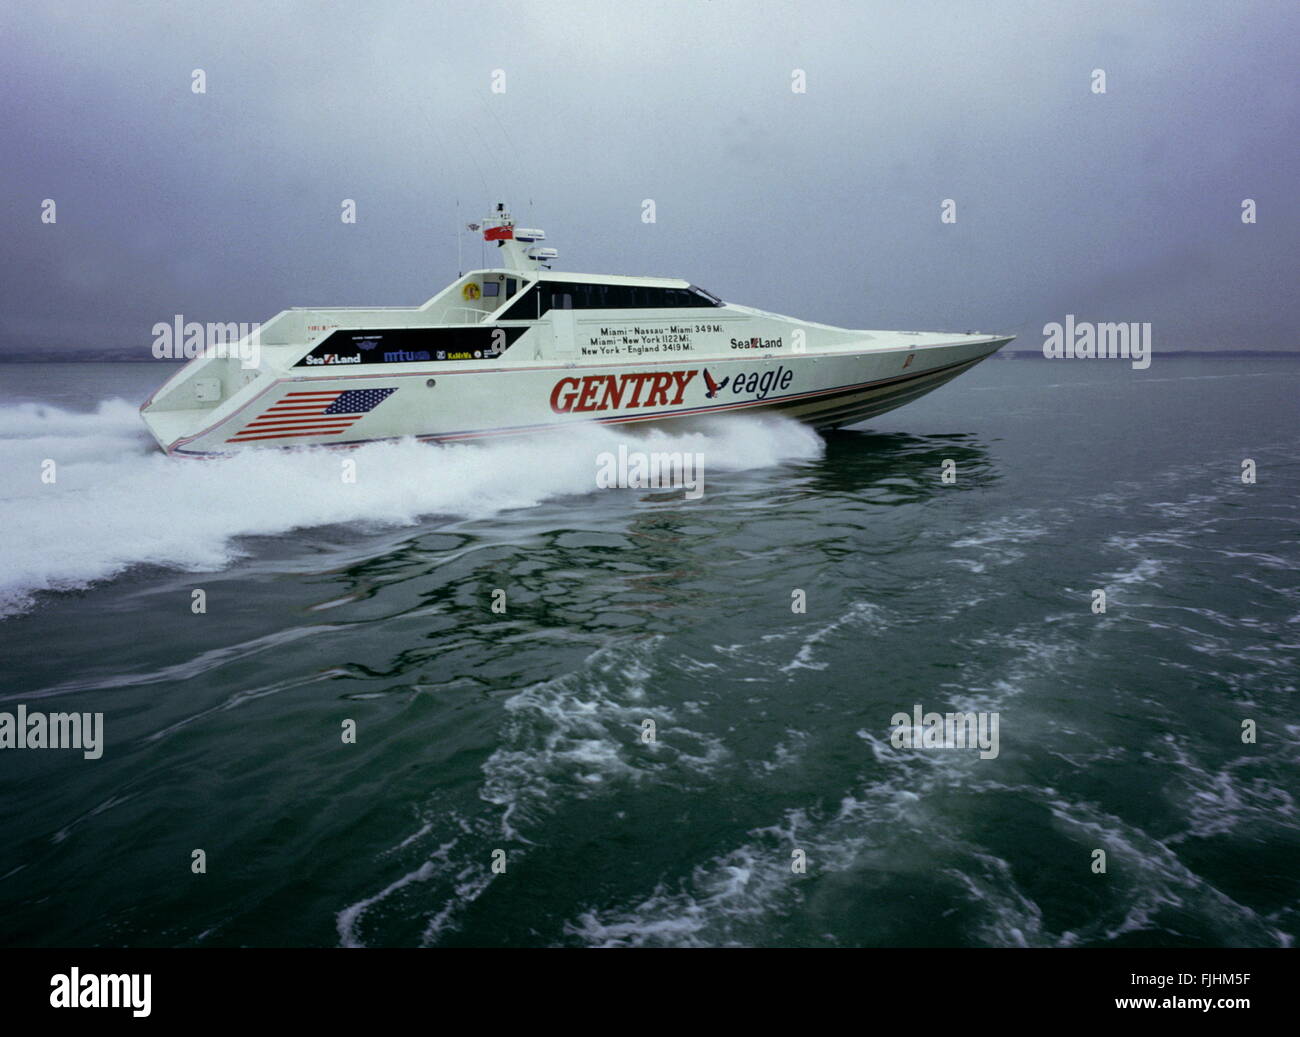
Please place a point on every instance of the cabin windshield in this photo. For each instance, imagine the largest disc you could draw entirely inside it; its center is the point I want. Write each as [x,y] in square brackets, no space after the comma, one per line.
[578,295]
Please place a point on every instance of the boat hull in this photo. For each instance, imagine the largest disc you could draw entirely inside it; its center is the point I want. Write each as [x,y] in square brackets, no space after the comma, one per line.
[335,408]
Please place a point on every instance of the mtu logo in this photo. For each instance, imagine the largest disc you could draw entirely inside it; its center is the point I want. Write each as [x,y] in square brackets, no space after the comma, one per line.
[612,391]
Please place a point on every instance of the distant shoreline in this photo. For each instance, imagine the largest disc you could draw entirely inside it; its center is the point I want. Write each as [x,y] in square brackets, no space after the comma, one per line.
[103,356]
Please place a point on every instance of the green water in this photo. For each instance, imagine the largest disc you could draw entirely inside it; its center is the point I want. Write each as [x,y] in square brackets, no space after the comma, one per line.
[522,731]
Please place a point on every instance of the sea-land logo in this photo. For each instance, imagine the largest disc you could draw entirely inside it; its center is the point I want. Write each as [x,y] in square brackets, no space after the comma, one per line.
[331,359]
[756,343]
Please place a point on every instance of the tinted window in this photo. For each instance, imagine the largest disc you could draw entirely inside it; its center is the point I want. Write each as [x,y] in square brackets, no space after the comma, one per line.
[546,295]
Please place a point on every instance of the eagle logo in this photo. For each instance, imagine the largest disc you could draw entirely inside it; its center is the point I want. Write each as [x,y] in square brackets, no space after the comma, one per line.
[714,387]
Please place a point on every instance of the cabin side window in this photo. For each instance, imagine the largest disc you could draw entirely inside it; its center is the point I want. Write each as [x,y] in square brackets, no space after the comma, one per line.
[576,295]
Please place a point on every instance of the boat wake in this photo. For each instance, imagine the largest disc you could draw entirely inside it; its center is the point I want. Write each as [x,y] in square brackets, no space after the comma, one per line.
[88,495]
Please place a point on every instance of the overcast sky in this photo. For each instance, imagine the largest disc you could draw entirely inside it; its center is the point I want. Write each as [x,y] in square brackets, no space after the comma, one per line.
[825,205]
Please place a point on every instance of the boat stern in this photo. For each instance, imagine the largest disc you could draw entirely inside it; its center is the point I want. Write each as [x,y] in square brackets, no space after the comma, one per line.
[198,396]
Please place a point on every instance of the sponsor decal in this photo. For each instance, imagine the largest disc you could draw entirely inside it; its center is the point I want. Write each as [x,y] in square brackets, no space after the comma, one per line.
[411,346]
[599,392]
[596,392]
[755,343]
[762,383]
[405,356]
[329,359]
[319,413]
[908,362]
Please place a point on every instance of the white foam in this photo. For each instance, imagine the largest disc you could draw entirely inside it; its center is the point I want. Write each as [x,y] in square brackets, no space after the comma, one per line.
[859,613]
[564,739]
[579,732]
[117,501]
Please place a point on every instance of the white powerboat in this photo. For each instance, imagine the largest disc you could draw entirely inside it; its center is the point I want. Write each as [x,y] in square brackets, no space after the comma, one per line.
[519,350]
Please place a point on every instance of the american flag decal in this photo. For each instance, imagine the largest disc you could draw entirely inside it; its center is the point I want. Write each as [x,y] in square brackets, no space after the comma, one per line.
[312,414]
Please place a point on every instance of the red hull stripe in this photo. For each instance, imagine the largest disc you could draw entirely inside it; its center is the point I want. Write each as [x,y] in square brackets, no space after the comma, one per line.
[293,412]
[314,415]
[266,426]
[241,438]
